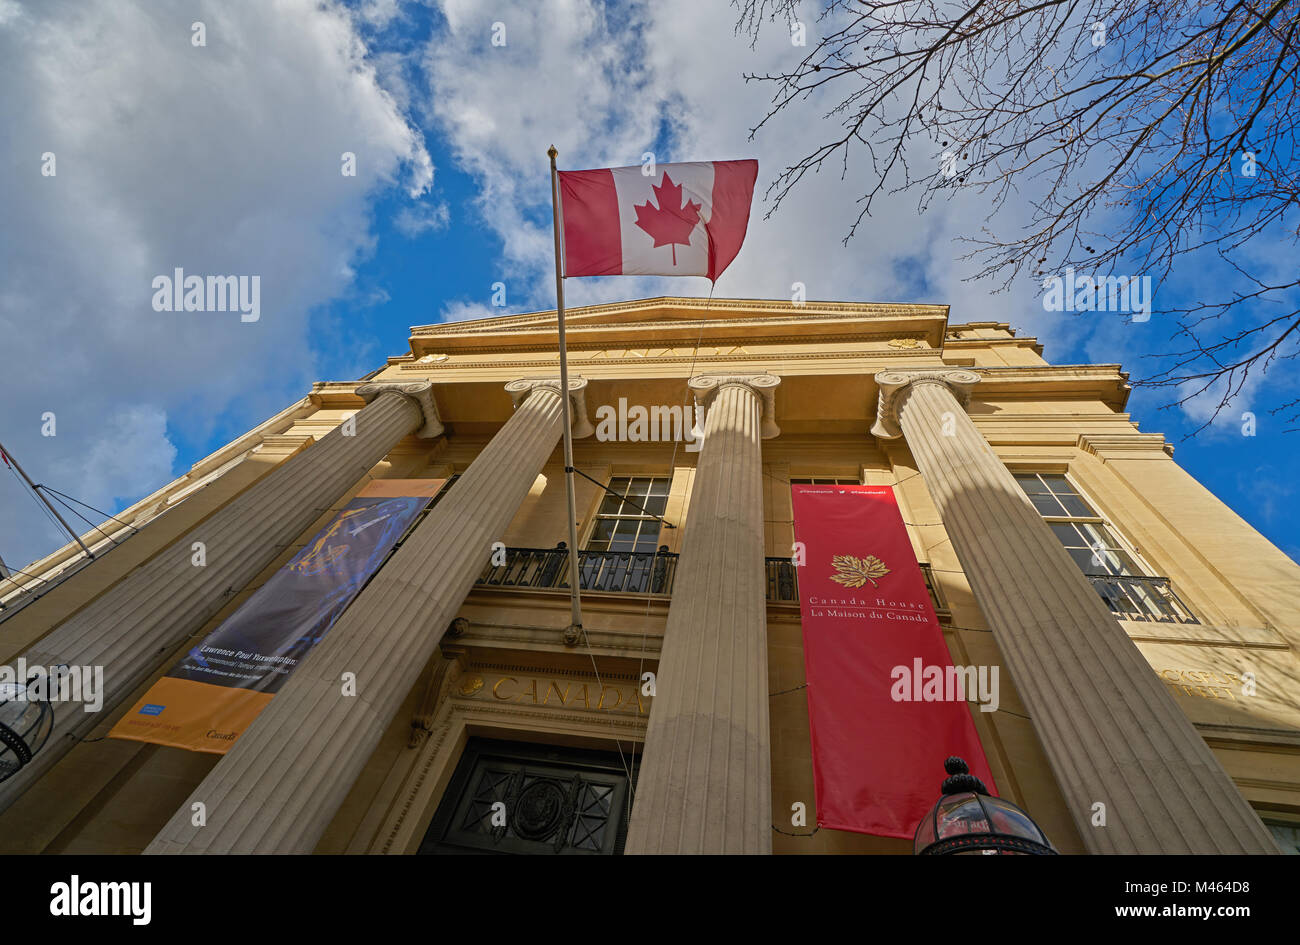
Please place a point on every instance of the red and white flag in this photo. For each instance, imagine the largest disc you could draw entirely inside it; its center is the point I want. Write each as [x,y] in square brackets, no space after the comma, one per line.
[682,220]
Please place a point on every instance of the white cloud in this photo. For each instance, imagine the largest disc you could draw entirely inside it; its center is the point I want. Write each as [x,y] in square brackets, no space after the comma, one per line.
[412,221]
[667,77]
[223,159]
[1206,406]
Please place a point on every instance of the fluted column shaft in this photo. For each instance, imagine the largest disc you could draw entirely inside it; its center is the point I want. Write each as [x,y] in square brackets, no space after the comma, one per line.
[285,778]
[1110,730]
[153,609]
[705,782]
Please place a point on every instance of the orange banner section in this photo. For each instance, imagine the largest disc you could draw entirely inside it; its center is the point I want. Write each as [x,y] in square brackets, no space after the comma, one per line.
[402,487]
[208,699]
[228,712]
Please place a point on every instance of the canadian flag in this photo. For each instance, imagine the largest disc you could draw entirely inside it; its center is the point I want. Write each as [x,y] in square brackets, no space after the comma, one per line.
[665,220]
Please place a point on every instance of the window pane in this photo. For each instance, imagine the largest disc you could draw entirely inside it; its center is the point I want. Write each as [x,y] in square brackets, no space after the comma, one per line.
[1104,560]
[1068,535]
[610,504]
[603,530]
[656,504]
[1047,505]
[1030,484]
[624,530]
[1076,506]
[1123,562]
[660,486]
[1083,558]
[1057,483]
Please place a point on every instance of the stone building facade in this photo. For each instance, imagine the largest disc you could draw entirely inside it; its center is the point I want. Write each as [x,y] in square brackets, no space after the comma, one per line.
[1149,638]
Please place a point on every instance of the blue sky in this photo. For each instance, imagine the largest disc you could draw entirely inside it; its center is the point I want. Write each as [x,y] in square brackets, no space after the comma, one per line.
[225,158]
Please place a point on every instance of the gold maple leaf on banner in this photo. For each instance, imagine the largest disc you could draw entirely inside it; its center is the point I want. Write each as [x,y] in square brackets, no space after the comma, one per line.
[855,571]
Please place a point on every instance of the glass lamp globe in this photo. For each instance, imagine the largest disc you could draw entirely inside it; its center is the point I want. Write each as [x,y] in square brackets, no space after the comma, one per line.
[25,724]
[968,820]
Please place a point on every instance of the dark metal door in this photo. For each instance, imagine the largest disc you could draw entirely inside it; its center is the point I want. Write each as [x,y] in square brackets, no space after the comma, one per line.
[509,797]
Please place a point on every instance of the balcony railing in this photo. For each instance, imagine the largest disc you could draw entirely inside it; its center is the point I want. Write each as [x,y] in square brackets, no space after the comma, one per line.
[1137,597]
[782,584]
[626,572]
[632,572]
[652,572]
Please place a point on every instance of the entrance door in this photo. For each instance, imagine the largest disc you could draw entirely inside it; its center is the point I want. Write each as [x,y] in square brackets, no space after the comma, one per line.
[509,797]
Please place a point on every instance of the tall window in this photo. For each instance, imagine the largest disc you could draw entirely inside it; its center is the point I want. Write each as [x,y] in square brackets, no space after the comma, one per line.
[620,524]
[1086,536]
[621,553]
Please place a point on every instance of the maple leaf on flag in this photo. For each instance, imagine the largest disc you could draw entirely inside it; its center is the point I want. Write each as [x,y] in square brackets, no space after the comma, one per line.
[855,571]
[672,221]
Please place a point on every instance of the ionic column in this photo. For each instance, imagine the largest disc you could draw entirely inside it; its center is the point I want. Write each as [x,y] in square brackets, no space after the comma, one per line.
[145,615]
[285,778]
[706,784]
[1111,732]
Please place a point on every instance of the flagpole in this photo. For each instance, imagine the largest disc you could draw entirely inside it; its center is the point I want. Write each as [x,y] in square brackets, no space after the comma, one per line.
[574,633]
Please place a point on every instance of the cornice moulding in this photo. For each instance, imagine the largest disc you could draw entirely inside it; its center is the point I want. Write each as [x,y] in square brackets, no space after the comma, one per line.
[576,315]
[1125,445]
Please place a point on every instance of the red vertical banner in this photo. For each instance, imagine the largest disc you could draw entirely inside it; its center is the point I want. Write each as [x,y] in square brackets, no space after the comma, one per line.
[886,706]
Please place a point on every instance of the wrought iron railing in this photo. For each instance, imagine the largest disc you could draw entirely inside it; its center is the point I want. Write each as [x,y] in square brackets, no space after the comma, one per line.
[628,572]
[634,572]
[1137,597]
[782,583]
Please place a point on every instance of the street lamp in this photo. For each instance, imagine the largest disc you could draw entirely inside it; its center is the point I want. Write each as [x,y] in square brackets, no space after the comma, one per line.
[968,820]
[25,725]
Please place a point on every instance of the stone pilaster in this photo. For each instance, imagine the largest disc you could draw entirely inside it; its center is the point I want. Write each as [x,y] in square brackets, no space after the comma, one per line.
[284,779]
[1111,732]
[142,618]
[705,782]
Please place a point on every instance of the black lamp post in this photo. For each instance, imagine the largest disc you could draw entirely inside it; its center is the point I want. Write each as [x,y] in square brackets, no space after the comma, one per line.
[968,820]
[25,725]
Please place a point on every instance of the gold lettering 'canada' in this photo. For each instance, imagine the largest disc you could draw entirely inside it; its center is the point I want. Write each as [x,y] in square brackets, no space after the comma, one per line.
[853,571]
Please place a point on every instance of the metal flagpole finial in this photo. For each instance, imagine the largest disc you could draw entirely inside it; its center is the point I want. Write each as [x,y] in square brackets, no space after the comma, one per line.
[552,153]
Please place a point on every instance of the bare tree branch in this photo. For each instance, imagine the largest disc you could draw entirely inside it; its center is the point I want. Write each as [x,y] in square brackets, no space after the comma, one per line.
[1146,129]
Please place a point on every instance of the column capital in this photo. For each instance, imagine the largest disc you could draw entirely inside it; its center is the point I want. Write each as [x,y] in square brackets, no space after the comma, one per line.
[895,384]
[419,391]
[763,386]
[521,388]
